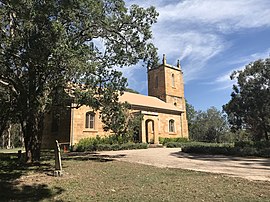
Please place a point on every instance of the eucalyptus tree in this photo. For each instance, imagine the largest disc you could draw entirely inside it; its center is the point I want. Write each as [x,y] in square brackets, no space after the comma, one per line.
[47,44]
[249,107]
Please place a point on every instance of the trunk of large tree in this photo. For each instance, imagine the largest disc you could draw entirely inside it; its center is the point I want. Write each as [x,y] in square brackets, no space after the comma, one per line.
[9,136]
[266,136]
[32,132]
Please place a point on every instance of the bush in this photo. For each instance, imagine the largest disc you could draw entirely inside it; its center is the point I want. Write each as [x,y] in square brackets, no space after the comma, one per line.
[186,144]
[173,144]
[224,149]
[256,144]
[238,149]
[165,140]
[106,144]
[253,148]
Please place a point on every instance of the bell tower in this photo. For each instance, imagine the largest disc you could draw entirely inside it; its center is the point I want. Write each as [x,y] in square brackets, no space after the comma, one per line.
[166,83]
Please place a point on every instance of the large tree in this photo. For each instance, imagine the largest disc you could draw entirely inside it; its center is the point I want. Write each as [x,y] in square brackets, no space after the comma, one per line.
[45,45]
[249,107]
[209,126]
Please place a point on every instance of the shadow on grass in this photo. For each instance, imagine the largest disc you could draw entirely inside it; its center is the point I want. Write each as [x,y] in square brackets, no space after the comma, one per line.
[35,192]
[11,171]
[90,156]
[248,161]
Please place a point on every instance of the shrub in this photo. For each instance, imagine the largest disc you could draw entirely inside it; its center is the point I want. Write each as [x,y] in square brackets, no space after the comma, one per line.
[253,148]
[173,144]
[106,144]
[239,149]
[103,147]
[256,144]
[224,149]
[165,140]
[87,144]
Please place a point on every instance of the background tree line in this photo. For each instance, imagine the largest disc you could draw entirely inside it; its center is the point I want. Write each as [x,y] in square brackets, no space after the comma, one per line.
[208,126]
[245,117]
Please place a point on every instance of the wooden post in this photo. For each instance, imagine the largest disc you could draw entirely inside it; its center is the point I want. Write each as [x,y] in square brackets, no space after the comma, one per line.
[58,165]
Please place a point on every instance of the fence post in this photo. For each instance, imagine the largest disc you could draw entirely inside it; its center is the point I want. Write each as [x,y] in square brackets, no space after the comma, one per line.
[58,165]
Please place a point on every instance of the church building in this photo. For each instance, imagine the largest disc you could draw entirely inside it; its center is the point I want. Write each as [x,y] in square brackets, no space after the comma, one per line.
[163,112]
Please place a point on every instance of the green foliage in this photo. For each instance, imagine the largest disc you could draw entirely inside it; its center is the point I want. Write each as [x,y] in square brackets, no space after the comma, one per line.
[121,121]
[45,45]
[207,126]
[165,140]
[249,107]
[191,115]
[174,144]
[256,144]
[221,149]
[191,143]
[241,148]
[106,144]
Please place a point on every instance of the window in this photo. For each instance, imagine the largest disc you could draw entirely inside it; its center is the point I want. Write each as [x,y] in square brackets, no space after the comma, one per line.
[171,125]
[173,80]
[156,81]
[90,120]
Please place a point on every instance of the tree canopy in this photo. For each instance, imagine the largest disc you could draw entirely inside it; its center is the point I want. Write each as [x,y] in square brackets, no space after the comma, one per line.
[46,44]
[249,107]
[208,126]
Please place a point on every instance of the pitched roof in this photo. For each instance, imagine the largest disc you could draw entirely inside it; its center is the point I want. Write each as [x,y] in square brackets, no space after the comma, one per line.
[147,101]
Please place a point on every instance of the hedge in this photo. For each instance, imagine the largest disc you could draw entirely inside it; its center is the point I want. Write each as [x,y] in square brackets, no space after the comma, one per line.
[106,144]
[238,149]
[164,140]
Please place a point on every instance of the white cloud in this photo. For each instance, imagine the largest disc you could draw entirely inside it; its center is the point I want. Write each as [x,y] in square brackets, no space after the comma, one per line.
[194,47]
[194,32]
[224,82]
[223,14]
[250,58]
[131,73]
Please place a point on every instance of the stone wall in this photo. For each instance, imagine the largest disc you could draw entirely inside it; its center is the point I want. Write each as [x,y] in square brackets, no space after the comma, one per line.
[168,91]
[56,127]
[79,128]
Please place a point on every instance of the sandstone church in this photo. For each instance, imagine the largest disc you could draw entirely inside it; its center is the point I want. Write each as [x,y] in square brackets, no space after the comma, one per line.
[163,112]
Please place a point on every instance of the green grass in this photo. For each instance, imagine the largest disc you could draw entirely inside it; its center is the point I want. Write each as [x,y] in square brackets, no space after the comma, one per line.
[92,178]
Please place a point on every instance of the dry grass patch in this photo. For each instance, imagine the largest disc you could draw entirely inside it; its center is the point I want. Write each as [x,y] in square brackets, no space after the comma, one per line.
[92,178]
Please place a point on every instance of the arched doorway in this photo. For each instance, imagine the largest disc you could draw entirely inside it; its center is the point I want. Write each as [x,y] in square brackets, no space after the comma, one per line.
[150,131]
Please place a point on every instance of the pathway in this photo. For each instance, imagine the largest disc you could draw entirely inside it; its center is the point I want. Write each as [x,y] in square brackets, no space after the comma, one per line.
[250,168]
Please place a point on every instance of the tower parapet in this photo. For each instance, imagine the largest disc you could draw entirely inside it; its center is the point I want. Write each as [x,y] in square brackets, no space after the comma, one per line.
[166,83]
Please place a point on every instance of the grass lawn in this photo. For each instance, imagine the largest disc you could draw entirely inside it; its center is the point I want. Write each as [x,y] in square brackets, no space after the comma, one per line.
[91,178]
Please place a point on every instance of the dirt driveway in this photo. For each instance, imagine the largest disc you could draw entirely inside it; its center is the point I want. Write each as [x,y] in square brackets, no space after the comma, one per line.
[249,168]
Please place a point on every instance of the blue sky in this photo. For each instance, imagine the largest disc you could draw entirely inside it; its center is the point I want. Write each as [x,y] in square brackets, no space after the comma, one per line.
[212,38]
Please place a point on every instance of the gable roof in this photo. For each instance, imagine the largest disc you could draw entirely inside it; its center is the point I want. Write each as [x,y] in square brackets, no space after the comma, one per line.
[144,101]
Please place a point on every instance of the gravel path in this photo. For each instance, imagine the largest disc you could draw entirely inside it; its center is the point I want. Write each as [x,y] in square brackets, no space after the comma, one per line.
[249,168]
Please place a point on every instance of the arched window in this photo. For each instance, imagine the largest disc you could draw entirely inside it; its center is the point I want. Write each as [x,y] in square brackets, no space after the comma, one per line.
[173,83]
[156,84]
[171,126]
[90,120]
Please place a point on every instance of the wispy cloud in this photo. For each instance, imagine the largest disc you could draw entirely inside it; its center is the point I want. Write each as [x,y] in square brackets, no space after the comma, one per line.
[224,82]
[224,14]
[249,58]
[193,47]
[195,32]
